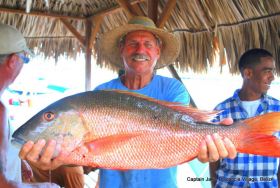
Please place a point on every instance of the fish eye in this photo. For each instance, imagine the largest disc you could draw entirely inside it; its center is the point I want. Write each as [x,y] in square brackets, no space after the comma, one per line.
[48,116]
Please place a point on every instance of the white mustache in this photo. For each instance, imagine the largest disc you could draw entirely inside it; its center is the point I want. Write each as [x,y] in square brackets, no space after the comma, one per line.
[140,56]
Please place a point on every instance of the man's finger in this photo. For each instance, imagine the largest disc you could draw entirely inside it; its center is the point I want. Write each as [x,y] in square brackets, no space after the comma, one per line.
[203,152]
[221,148]
[230,148]
[36,150]
[25,149]
[212,149]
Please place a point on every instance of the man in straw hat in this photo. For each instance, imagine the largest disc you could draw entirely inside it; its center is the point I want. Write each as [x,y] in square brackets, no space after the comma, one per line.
[13,51]
[139,48]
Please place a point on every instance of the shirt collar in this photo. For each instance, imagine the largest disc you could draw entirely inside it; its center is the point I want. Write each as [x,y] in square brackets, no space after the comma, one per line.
[264,99]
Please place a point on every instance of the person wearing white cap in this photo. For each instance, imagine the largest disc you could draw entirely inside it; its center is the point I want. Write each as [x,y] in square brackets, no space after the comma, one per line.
[13,54]
[138,48]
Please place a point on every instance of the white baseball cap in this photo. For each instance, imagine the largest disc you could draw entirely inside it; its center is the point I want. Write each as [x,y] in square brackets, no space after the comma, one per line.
[12,41]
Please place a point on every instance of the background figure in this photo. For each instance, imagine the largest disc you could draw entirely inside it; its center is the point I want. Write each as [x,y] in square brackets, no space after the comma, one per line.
[13,51]
[246,170]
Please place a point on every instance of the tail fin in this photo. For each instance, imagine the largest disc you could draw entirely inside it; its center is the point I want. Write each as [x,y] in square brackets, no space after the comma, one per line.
[258,138]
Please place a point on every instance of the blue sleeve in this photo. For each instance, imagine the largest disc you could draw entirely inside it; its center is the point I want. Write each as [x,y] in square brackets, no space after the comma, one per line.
[177,93]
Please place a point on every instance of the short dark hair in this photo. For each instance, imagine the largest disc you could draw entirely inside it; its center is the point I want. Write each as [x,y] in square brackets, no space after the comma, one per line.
[252,57]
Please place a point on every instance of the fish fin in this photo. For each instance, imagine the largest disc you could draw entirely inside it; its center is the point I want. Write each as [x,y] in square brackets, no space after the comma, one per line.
[264,124]
[109,143]
[198,115]
[266,145]
[257,135]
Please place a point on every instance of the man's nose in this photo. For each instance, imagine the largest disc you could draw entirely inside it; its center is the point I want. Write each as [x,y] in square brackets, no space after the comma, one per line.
[140,48]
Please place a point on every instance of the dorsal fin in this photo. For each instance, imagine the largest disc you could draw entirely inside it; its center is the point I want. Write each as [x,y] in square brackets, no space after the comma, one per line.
[198,115]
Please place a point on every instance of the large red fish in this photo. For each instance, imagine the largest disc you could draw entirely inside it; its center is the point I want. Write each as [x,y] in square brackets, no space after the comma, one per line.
[120,130]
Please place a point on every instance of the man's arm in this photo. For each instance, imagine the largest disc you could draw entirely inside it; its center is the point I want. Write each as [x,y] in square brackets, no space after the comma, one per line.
[4,131]
[213,167]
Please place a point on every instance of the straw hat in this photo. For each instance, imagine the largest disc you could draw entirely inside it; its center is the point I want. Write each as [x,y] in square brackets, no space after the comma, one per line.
[109,42]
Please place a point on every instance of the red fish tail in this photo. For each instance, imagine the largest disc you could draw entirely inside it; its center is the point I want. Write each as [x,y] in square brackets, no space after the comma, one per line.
[258,135]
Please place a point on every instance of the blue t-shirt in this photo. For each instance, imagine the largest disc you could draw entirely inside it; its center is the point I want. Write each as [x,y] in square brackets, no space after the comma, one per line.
[162,88]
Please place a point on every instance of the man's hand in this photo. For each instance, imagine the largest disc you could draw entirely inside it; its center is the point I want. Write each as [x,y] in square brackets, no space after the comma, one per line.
[214,148]
[40,154]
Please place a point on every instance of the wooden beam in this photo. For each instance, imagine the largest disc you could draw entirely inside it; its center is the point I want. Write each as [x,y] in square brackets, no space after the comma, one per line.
[166,13]
[153,10]
[113,10]
[97,23]
[57,15]
[176,75]
[73,30]
[137,9]
[88,55]
[38,13]
[127,8]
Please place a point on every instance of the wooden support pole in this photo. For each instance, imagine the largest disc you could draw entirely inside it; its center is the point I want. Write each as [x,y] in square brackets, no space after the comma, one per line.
[176,75]
[88,55]
[91,33]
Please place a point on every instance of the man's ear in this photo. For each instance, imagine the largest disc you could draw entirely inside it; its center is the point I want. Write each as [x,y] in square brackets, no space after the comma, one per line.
[121,46]
[12,61]
[247,73]
[159,51]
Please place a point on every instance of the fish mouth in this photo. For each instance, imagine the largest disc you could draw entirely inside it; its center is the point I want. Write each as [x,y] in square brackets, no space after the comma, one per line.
[18,142]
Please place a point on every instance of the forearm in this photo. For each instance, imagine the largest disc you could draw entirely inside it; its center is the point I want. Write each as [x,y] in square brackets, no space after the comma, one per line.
[213,167]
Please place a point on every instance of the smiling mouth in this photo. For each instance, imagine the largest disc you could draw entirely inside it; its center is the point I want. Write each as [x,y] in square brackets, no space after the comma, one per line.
[268,85]
[140,57]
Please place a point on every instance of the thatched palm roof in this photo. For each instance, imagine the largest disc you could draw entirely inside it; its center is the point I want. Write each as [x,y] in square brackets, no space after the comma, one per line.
[59,27]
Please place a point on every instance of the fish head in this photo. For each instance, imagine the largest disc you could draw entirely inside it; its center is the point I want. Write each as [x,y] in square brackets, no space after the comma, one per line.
[61,121]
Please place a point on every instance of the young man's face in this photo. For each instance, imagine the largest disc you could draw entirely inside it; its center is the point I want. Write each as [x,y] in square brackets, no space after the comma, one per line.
[140,52]
[262,75]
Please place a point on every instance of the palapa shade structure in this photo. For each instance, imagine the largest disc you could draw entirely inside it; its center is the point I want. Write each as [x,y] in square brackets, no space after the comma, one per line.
[205,27]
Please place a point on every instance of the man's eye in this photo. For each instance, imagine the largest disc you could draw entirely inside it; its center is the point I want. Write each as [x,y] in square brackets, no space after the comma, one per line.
[132,44]
[148,44]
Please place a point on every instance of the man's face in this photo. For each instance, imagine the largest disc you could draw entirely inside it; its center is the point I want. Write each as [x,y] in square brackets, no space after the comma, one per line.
[262,75]
[140,52]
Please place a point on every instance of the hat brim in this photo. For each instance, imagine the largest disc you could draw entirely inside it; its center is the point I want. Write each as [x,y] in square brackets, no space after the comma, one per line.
[110,50]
